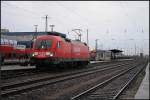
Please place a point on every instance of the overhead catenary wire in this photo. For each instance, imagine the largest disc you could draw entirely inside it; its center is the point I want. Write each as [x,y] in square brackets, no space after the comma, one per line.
[59,19]
[34,14]
[26,10]
[73,12]
[126,30]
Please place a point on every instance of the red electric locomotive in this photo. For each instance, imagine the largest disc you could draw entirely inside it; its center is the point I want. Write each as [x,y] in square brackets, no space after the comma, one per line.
[54,49]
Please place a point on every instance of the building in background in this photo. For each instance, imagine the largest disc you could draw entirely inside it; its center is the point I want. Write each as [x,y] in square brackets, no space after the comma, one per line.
[103,55]
[4,30]
[100,55]
[141,55]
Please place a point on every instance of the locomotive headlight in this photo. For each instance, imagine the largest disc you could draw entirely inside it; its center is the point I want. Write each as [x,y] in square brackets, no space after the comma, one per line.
[35,54]
[49,54]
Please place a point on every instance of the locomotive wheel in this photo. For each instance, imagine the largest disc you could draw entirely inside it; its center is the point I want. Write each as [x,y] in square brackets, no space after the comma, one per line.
[40,66]
[62,65]
[86,63]
[22,61]
[23,64]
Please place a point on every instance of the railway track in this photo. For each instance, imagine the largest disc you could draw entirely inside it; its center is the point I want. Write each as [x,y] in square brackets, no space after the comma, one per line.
[112,87]
[27,85]
[18,73]
[50,74]
[7,74]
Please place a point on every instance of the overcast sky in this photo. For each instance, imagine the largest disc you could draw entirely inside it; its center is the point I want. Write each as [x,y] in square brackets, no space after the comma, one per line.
[117,24]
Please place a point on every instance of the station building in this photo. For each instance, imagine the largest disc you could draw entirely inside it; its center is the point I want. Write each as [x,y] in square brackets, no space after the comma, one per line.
[105,55]
[26,38]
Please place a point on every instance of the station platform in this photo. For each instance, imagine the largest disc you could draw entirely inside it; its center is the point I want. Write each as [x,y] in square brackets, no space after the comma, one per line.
[97,61]
[16,67]
[143,91]
[110,60]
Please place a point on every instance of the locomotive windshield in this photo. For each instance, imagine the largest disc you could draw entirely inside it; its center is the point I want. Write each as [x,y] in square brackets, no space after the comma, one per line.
[43,44]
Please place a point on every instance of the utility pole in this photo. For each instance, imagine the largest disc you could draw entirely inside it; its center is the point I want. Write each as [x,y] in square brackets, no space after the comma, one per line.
[36,28]
[87,38]
[135,49]
[52,27]
[142,49]
[96,48]
[96,44]
[78,33]
[46,23]
[33,36]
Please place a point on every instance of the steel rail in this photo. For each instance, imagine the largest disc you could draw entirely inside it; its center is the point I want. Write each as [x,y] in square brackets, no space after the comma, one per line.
[59,75]
[7,74]
[101,84]
[46,82]
[127,84]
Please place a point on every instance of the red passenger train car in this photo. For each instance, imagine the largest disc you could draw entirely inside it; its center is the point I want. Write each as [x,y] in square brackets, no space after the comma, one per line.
[55,49]
[11,51]
[6,51]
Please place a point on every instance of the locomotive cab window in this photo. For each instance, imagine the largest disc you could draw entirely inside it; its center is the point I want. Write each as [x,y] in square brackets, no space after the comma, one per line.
[48,43]
[58,44]
[43,44]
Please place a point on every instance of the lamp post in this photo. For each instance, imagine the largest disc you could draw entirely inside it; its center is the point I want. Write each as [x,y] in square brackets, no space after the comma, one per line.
[131,46]
[36,28]
[52,26]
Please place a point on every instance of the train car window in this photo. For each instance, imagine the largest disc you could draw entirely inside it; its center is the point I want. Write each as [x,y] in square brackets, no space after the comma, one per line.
[37,44]
[5,41]
[58,44]
[11,42]
[26,43]
[2,41]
